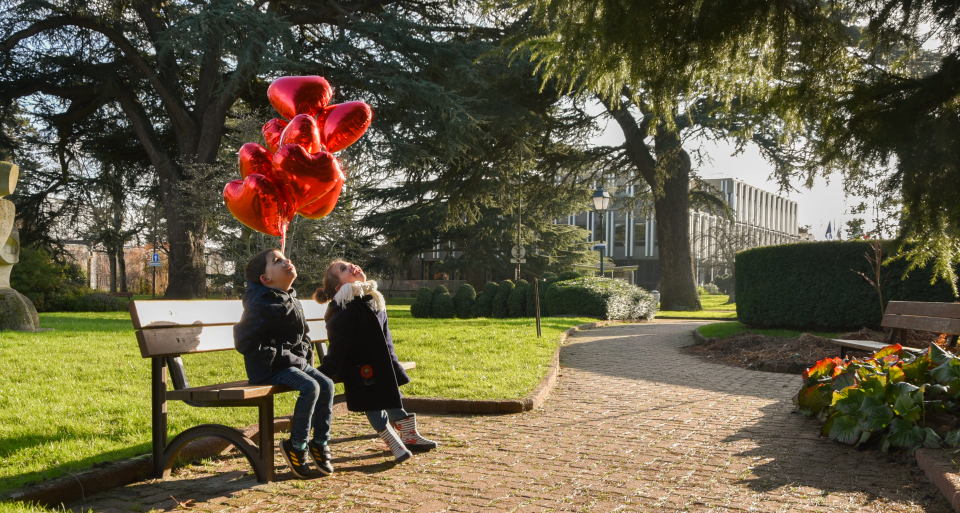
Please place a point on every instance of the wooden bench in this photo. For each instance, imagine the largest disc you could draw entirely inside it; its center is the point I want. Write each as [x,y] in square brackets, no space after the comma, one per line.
[901,316]
[168,329]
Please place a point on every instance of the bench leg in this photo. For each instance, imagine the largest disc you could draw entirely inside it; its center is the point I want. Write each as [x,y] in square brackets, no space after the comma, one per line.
[265,456]
[159,416]
[843,352]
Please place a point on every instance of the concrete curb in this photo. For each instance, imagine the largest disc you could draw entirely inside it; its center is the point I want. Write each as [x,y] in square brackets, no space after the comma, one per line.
[943,472]
[118,473]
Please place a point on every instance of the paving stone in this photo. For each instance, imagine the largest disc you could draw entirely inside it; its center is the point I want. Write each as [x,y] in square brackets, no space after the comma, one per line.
[632,425]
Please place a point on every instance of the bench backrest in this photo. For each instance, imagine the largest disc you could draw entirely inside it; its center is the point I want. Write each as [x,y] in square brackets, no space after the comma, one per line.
[171,328]
[934,317]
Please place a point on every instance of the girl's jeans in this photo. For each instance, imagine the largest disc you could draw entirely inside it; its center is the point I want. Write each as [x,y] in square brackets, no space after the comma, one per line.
[378,418]
[314,404]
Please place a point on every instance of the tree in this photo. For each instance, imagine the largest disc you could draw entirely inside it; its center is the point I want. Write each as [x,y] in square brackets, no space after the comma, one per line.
[718,247]
[667,71]
[174,71]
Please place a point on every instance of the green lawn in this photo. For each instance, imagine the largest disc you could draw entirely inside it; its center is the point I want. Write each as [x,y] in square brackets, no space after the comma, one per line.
[714,307]
[80,394]
[726,329]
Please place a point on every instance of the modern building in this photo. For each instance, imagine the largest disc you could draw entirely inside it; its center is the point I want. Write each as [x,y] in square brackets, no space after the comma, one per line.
[760,218]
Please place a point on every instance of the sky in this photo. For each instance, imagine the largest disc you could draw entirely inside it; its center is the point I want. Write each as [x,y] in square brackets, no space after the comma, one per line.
[824,203]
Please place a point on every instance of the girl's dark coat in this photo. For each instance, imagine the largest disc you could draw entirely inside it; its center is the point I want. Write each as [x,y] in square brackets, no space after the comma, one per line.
[361,354]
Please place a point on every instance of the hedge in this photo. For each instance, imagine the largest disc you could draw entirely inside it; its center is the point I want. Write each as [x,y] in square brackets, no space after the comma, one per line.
[811,285]
[500,308]
[421,308]
[441,304]
[483,306]
[600,297]
[517,303]
[463,300]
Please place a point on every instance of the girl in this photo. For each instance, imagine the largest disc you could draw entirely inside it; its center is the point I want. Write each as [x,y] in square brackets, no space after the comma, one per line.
[361,354]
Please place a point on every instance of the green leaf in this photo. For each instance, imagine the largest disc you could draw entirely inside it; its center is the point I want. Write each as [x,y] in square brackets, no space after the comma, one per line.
[917,371]
[895,374]
[875,417]
[816,398]
[844,380]
[828,425]
[938,356]
[953,438]
[904,433]
[885,442]
[849,400]
[948,374]
[845,429]
[875,384]
[905,407]
[895,390]
[931,439]
[864,437]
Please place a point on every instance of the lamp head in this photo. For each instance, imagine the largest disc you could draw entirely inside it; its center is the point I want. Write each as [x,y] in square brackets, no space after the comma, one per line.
[601,200]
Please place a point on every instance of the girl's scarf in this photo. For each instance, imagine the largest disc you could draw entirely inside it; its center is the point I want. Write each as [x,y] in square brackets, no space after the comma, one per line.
[349,291]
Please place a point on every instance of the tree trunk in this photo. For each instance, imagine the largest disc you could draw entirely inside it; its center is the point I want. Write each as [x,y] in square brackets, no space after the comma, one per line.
[678,289]
[186,235]
[112,257]
[121,269]
[733,289]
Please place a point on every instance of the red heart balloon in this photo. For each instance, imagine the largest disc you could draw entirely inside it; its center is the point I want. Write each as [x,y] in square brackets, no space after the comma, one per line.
[324,205]
[255,159]
[341,125]
[256,202]
[299,95]
[303,130]
[305,177]
[271,133]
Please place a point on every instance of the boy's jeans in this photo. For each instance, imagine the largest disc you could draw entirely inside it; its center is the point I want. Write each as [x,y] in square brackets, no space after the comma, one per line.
[378,418]
[314,404]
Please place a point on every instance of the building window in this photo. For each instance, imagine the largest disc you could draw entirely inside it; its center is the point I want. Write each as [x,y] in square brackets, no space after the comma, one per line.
[640,232]
[620,233]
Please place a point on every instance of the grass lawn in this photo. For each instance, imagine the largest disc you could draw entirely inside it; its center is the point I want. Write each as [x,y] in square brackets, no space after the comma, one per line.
[714,307]
[80,394]
[726,329]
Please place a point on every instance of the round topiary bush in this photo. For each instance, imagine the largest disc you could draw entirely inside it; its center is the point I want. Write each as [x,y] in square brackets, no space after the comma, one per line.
[600,297]
[483,306]
[441,306]
[568,275]
[531,306]
[464,299]
[517,302]
[723,283]
[421,308]
[500,308]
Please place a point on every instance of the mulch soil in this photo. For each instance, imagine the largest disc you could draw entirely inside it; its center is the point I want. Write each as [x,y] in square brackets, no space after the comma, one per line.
[792,355]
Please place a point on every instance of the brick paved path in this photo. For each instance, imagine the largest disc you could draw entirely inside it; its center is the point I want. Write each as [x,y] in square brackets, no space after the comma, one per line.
[633,425]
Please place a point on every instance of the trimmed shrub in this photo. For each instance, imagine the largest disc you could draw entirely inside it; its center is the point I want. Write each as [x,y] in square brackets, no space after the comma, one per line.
[464,299]
[813,285]
[500,308]
[422,307]
[441,305]
[517,303]
[711,289]
[569,275]
[93,302]
[600,297]
[531,307]
[724,282]
[483,306]
[48,283]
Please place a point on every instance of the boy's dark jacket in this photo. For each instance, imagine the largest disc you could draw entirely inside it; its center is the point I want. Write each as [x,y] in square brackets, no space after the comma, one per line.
[272,332]
[361,354]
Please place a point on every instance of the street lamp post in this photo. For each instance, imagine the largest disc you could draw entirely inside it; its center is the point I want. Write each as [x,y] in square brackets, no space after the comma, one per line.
[601,201]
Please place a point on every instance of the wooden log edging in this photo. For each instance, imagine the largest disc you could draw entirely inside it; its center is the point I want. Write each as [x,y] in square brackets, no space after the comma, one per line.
[943,472]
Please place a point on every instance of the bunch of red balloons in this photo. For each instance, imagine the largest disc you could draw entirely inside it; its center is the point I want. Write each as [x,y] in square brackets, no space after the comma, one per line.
[296,173]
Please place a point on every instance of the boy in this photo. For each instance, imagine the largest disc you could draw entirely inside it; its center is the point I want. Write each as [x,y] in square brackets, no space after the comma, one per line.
[272,336]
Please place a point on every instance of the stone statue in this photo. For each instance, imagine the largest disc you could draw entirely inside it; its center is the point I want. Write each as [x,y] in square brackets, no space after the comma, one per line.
[16,310]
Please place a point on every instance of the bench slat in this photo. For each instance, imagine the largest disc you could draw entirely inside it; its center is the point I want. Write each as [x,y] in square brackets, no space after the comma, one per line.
[916,322]
[868,345]
[949,310]
[238,390]
[201,339]
[169,314]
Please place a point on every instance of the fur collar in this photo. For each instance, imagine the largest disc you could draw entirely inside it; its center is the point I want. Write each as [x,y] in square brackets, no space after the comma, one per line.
[349,291]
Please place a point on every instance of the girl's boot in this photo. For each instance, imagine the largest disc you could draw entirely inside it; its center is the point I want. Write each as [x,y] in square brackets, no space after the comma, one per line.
[407,429]
[400,453]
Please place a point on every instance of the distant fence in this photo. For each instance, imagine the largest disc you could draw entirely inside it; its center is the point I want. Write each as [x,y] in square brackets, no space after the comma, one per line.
[410,287]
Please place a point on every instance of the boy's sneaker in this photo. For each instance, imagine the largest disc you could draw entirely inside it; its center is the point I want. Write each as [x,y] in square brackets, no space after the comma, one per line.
[321,457]
[296,459]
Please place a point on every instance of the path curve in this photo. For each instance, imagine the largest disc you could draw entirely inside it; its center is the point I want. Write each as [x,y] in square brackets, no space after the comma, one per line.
[632,425]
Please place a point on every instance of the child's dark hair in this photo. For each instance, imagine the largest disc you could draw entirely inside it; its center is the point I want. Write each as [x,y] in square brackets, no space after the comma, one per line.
[257,266]
[330,283]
